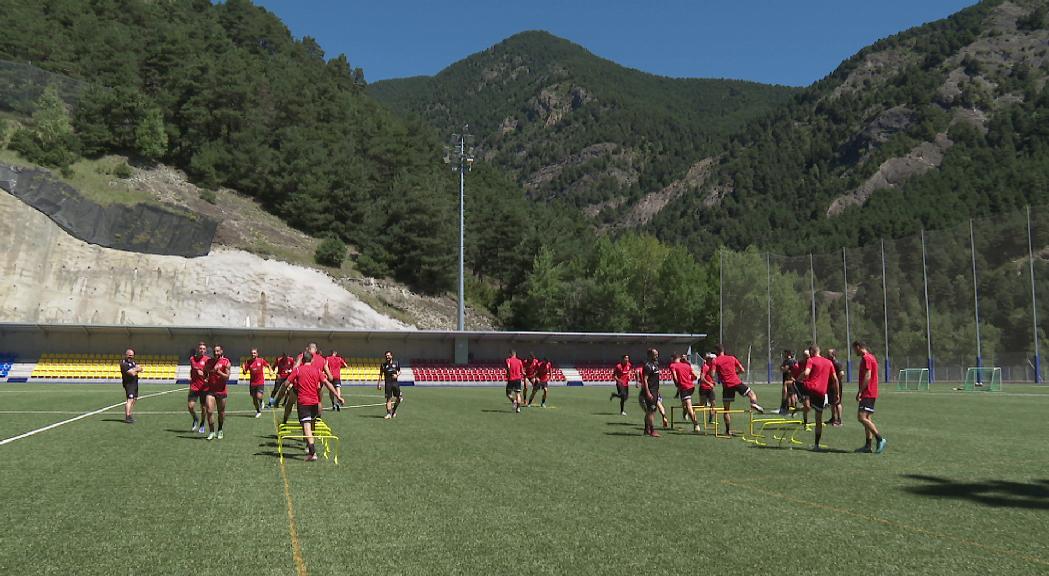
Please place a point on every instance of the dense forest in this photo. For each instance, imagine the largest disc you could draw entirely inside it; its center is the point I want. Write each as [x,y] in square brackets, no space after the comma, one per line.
[570,125]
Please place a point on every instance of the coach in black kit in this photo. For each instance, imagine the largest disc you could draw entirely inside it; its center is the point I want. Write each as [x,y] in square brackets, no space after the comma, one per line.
[389,371]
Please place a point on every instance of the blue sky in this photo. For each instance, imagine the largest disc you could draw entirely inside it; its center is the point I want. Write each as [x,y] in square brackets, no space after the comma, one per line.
[792,42]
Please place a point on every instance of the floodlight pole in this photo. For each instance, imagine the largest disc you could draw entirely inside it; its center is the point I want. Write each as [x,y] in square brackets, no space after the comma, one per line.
[461,324]
[812,293]
[768,303]
[721,296]
[928,314]
[1034,303]
[848,325]
[885,314]
[976,297]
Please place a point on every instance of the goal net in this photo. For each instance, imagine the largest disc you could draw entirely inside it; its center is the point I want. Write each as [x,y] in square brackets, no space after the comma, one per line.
[913,379]
[988,379]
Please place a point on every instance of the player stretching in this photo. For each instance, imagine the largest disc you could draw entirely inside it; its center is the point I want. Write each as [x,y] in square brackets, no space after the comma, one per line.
[706,386]
[389,372]
[621,375]
[649,396]
[683,377]
[514,375]
[531,367]
[728,369]
[283,365]
[834,391]
[218,374]
[335,365]
[543,368]
[867,395]
[306,379]
[255,368]
[129,371]
[819,376]
[198,386]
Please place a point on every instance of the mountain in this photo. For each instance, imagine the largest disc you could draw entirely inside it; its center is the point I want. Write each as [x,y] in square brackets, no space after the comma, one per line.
[926,128]
[567,124]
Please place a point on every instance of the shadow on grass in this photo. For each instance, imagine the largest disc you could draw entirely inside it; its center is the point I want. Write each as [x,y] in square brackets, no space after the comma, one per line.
[379,416]
[995,493]
[273,454]
[637,434]
[490,411]
[185,434]
[120,420]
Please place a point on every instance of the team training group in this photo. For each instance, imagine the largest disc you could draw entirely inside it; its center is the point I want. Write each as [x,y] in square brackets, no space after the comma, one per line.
[811,383]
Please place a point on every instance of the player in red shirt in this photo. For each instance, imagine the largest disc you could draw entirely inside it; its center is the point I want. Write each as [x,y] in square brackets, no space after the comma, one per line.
[218,370]
[684,378]
[706,385]
[255,368]
[306,380]
[335,365]
[531,366]
[541,381]
[867,395]
[320,363]
[282,365]
[514,376]
[621,375]
[819,376]
[728,369]
[198,383]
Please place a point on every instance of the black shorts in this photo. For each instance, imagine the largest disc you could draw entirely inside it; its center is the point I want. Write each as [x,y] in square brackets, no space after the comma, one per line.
[254,389]
[308,413]
[393,390]
[336,382]
[646,405]
[728,394]
[131,390]
[867,405]
[513,386]
[706,395]
[817,401]
[196,394]
[832,396]
[686,393]
[218,393]
[541,384]
[795,389]
[623,390]
[279,382]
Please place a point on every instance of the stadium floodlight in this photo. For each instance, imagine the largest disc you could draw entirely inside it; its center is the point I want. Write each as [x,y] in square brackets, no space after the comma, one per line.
[460,155]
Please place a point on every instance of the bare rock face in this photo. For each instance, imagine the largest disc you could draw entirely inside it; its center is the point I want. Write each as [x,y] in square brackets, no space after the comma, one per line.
[894,172]
[654,203]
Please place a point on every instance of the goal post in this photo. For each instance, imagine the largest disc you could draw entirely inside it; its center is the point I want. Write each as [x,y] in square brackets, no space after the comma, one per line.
[913,379]
[988,379]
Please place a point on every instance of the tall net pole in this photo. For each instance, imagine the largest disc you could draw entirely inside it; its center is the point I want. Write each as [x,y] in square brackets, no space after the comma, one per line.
[812,294]
[848,325]
[928,315]
[976,296]
[721,302]
[768,304]
[885,315]
[1034,303]
[463,160]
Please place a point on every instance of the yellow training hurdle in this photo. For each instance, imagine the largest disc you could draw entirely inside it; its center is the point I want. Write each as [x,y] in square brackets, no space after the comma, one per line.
[321,433]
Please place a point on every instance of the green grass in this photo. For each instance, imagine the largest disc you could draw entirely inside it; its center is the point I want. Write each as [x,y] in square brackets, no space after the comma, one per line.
[93,178]
[459,485]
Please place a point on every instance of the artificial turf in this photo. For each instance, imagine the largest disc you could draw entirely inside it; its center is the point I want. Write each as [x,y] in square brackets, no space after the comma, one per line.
[457,484]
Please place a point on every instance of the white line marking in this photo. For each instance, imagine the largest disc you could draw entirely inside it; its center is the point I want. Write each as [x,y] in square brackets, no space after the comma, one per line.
[153,412]
[80,417]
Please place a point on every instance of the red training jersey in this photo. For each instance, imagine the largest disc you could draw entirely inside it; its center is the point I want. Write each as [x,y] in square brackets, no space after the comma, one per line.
[683,370]
[797,370]
[514,369]
[820,370]
[531,367]
[198,380]
[216,381]
[307,380]
[726,366]
[336,364]
[622,373]
[318,361]
[257,370]
[869,367]
[706,376]
[284,364]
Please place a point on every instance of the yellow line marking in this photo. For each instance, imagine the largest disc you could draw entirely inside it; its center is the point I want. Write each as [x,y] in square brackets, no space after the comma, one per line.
[296,549]
[891,523]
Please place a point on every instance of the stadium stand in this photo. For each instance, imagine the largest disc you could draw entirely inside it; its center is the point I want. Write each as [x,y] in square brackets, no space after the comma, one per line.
[602,373]
[101,367]
[476,372]
[361,369]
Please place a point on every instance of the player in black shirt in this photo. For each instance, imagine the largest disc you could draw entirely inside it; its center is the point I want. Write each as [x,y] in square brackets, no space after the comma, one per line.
[834,390]
[788,380]
[129,371]
[649,397]
[388,373]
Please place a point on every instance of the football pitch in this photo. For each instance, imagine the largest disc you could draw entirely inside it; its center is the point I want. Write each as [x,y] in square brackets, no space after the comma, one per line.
[458,484]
